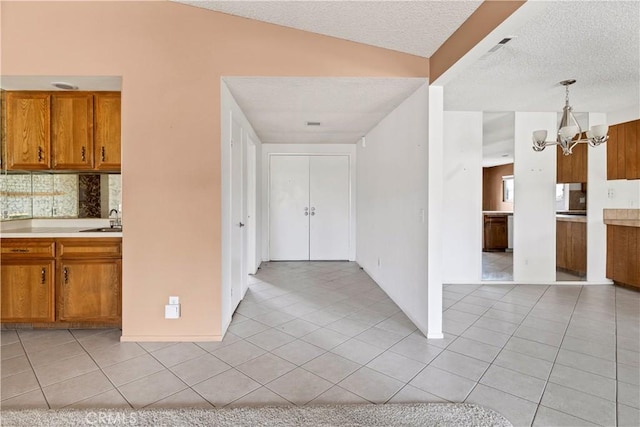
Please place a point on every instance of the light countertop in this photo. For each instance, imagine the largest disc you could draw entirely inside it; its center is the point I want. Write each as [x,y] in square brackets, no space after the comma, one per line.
[55,228]
[571,218]
[624,217]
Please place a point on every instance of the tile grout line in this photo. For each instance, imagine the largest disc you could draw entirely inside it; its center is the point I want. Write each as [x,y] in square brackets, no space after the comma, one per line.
[33,371]
[101,371]
[554,363]
[503,347]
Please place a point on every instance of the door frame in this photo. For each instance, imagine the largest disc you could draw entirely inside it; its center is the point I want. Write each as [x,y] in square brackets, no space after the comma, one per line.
[269,150]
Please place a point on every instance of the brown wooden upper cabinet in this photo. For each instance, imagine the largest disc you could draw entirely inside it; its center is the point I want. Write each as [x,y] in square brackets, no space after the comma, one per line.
[572,168]
[107,130]
[62,130]
[72,130]
[27,130]
[623,151]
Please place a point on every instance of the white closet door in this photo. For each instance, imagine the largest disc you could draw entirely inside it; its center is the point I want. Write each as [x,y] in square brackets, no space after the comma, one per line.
[238,274]
[288,198]
[329,207]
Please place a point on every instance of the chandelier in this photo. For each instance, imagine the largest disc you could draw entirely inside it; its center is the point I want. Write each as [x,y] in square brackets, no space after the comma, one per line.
[568,130]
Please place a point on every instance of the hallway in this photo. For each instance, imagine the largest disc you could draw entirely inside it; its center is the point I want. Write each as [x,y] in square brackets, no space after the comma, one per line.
[324,332]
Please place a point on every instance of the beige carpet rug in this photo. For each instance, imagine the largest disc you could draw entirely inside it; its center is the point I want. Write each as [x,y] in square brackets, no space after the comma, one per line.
[427,414]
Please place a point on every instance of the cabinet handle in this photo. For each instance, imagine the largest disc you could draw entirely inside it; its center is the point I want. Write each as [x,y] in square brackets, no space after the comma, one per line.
[43,275]
[40,154]
[103,154]
[66,275]
[83,153]
[20,250]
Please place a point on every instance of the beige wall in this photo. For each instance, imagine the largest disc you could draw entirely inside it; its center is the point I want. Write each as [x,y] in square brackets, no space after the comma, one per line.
[171,58]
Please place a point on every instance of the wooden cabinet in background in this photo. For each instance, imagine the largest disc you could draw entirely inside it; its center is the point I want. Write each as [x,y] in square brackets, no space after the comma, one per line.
[27,288]
[495,233]
[623,151]
[623,253]
[571,246]
[632,148]
[65,281]
[27,130]
[572,168]
[72,130]
[107,130]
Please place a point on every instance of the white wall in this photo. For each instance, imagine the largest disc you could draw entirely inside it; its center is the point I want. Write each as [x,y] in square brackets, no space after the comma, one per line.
[392,206]
[271,149]
[435,211]
[462,197]
[597,199]
[229,108]
[534,234]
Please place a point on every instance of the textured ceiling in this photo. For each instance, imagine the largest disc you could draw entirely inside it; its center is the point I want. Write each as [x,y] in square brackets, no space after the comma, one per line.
[347,108]
[596,43]
[417,27]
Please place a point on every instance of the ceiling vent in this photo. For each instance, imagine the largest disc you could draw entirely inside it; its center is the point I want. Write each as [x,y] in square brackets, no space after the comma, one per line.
[497,47]
[313,123]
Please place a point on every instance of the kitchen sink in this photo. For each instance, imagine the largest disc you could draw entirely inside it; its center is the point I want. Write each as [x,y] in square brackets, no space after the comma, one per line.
[103,230]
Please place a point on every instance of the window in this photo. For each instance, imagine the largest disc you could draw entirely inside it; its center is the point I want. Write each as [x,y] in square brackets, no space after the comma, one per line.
[507,188]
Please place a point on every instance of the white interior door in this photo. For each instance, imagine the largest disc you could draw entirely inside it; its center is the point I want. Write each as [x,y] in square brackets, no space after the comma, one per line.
[289,208]
[238,273]
[251,247]
[329,207]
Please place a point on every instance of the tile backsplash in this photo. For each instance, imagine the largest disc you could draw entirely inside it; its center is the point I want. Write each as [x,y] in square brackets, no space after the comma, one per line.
[47,195]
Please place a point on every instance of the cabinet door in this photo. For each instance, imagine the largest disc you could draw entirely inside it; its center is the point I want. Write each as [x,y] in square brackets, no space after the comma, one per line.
[72,130]
[572,168]
[89,290]
[632,147]
[495,233]
[27,135]
[578,252]
[612,153]
[561,244]
[107,130]
[27,290]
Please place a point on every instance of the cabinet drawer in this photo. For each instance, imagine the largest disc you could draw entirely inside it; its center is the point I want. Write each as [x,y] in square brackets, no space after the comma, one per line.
[83,248]
[28,248]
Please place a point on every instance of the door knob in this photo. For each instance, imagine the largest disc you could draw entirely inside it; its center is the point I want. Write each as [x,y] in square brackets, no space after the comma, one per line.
[313,213]
[241,225]
[313,209]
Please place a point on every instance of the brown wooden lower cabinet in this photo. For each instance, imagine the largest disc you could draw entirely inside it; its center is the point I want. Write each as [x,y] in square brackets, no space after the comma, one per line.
[571,246]
[623,255]
[495,233]
[27,290]
[80,282]
[89,290]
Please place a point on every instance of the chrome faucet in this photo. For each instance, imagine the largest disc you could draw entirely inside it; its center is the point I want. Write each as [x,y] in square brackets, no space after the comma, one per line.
[115,223]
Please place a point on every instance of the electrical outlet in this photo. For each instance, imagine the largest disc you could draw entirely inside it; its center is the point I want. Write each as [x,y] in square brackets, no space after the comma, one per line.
[174,300]
[172,311]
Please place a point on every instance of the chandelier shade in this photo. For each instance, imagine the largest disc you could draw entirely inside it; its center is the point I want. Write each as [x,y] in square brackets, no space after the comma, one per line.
[568,129]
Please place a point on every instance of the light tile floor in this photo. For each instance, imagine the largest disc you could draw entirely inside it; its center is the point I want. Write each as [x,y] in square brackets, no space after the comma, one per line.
[324,332]
[498,266]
